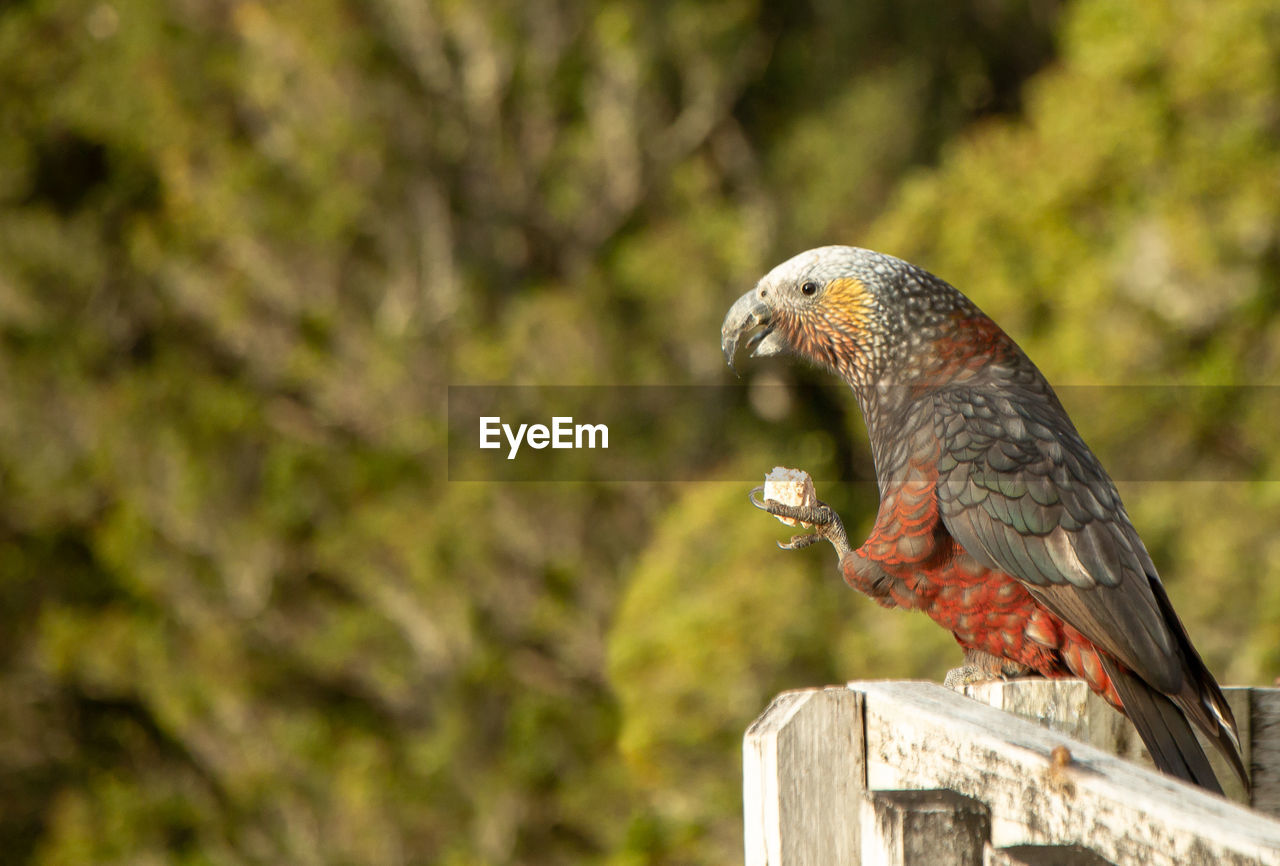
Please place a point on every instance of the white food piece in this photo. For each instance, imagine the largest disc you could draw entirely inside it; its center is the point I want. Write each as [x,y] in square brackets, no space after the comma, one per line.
[790,487]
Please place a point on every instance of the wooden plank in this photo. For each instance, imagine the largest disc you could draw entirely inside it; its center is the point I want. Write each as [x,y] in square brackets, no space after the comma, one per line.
[1265,758]
[921,735]
[1043,855]
[804,770]
[1067,706]
[923,828]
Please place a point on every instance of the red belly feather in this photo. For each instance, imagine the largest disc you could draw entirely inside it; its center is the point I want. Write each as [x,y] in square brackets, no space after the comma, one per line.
[983,608]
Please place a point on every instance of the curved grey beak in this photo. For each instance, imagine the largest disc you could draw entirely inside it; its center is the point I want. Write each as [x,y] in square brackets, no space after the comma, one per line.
[748,312]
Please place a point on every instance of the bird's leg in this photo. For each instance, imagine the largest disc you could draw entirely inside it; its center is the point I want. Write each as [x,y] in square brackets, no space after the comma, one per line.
[826,523]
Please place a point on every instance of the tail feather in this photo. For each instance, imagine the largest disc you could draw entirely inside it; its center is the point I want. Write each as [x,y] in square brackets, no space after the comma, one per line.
[1201,698]
[1164,729]
[1216,723]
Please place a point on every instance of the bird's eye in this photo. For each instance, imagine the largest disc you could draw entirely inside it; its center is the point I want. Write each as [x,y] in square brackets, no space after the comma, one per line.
[810,288]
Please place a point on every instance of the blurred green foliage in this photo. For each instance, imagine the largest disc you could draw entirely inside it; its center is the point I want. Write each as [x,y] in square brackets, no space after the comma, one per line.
[244,248]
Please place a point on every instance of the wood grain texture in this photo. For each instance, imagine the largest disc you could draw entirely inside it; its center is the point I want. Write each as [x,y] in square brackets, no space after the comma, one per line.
[1069,707]
[1264,760]
[923,828]
[921,735]
[803,774]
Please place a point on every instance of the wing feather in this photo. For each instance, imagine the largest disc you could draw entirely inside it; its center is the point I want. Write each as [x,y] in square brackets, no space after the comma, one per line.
[1018,484]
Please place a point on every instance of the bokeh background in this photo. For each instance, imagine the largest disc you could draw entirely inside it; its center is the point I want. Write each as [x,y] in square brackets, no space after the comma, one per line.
[246,246]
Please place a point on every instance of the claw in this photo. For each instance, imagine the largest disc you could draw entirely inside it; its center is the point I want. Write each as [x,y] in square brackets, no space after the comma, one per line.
[813,514]
[825,522]
[799,542]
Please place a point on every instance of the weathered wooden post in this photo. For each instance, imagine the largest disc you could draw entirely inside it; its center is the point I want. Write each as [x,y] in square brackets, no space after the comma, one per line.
[826,771]
[803,776]
[923,828]
[1068,706]
[1264,759]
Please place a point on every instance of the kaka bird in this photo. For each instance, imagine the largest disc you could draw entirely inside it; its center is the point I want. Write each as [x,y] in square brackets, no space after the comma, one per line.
[995,518]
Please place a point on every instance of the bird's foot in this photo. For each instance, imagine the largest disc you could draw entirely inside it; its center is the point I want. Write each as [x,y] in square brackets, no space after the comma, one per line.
[967,675]
[822,517]
[982,667]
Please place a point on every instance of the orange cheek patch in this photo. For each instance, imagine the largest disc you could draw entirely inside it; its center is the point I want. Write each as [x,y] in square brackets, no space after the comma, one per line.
[845,293]
[845,304]
[827,331]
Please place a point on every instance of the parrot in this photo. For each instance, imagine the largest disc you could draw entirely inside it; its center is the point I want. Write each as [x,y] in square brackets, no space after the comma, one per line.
[995,518]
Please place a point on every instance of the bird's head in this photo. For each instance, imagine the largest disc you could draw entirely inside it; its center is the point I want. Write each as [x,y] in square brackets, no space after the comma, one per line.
[855,311]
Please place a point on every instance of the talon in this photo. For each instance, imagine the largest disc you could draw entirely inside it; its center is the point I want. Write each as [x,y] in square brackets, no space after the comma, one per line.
[817,515]
[799,542]
[820,516]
